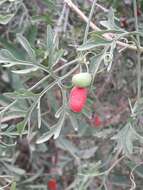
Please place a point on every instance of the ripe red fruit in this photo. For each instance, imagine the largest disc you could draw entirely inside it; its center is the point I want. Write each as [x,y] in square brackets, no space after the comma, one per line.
[97,121]
[77,99]
[52,184]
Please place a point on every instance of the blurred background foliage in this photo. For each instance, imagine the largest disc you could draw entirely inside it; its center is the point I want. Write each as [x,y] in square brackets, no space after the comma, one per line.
[38,56]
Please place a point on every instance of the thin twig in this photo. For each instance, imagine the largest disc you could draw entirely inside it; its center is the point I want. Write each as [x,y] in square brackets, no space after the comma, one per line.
[81,14]
[94,27]
[59,23]
[89,20]
[115,162]
[103,9]
[100,6]
[66,20]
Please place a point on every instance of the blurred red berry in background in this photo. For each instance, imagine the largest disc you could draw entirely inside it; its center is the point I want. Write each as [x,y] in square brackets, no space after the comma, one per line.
[97,121]
[52,184]
[123,22]
[139,12]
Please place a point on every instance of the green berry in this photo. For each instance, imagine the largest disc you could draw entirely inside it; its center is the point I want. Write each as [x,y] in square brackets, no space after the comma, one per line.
[82,80]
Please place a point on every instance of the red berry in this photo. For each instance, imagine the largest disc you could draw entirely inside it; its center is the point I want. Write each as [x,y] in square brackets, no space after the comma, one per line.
[77,99]
[123,22]
[52,184]
[97,121]
[139,12]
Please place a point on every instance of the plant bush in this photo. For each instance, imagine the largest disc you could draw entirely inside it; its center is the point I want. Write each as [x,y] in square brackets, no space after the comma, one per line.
[48,137]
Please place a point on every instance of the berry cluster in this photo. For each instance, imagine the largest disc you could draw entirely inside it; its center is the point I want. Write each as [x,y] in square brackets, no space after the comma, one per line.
[78,94]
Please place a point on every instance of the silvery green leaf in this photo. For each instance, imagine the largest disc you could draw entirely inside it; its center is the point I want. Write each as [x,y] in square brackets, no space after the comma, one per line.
[15,169]
[25,71]
[2,1]
[34,177]
[92,43]
[8,65]
[66,145]
[38,187]
[111,17]
[5,19]
[125,139]
[50,46]
[57,56]
[20,126]
[59,126]
[59,111]
[50,37]
[4,126]
[39,114]
[88,153]
[21,94]
[138,168]
[8,107]
[113,46]
[26,45]
[9,115]
[73,121]
[13,186]
[54,131]
[90,169]
[8,58]
[110,23]
[106,24]
[46,136]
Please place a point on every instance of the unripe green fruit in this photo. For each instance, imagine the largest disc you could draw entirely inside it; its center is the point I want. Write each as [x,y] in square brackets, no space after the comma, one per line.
[82,79]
